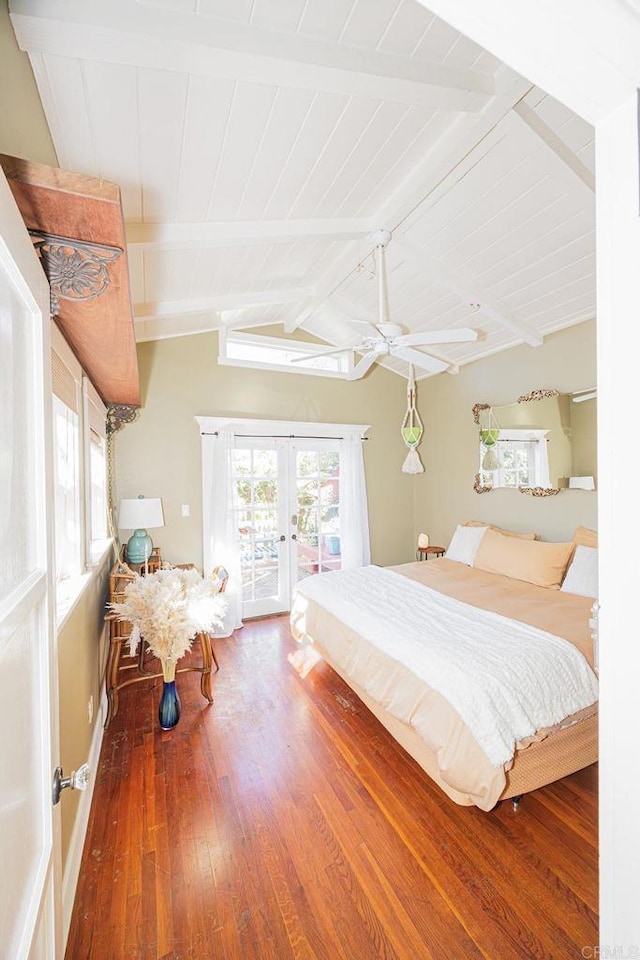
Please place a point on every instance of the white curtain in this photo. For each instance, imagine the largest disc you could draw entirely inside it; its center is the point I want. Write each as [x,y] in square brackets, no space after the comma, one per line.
[221,545]
[354,516]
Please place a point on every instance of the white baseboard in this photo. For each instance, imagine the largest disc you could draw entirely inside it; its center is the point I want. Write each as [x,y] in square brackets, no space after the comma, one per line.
[78,834]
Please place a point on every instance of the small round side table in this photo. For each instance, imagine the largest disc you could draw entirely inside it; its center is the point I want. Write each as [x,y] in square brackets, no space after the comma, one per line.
[423,553]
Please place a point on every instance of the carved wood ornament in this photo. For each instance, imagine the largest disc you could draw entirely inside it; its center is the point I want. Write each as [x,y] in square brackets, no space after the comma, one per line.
[538,395]
[540,491]
[480,487]
[477,409]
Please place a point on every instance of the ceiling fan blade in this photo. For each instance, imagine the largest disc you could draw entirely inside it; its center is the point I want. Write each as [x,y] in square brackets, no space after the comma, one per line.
[463,335]
[419,359]
[326,353]
[362,366]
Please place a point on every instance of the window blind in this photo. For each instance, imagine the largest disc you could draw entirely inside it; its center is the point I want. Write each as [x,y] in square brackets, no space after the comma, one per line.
[96,410]
[64,383]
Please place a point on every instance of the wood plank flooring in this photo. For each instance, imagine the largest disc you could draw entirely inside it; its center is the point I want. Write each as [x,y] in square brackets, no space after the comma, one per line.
[282,821]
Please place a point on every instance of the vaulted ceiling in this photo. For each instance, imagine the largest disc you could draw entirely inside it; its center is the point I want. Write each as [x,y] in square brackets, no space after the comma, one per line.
[257,144]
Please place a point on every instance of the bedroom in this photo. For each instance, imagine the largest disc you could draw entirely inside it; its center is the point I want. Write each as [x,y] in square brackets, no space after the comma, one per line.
[396,527]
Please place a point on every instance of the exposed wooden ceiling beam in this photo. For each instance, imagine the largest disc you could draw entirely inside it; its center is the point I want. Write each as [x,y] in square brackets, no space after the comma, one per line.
[166,328]
[438,164]
[161,38]
[453,147]
[188,236]
[334,276]
[228,301]
[550,138]
[465,288]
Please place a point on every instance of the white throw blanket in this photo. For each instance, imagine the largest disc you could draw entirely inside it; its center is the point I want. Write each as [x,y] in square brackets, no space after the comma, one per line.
[506,679]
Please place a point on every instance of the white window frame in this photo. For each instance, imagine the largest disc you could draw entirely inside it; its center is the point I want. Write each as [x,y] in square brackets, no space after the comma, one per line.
[60,346]
[529,438]
[299,347]
[94,418]
[92,554]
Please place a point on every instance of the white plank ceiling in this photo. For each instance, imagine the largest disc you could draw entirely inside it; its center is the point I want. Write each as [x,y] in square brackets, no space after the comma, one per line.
[257,144]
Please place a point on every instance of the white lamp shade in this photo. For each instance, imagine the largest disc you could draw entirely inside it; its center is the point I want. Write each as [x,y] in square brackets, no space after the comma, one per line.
[141,513]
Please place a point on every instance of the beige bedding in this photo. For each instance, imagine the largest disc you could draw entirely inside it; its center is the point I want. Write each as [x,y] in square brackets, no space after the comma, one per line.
[463,769]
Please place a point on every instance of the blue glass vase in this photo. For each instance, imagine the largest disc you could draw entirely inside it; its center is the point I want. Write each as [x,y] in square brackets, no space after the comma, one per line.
[169,709]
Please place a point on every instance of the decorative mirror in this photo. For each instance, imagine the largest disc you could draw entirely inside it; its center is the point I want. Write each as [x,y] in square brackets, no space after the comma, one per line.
[540,445]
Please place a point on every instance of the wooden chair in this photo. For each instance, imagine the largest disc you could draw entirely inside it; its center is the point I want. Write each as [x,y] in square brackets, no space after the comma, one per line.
[120,674]
[221,574]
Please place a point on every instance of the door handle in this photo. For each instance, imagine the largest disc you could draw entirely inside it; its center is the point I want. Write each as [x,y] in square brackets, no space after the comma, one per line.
[281,538]
[77,781]
[294,536]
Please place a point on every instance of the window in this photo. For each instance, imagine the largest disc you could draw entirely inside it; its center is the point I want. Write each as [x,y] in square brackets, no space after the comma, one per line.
[80,485]
[523,458]
[66,376]
[274,353]
[95,471]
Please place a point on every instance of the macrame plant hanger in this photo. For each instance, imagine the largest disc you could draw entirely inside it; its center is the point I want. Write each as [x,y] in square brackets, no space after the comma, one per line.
[412,429]
[489,436]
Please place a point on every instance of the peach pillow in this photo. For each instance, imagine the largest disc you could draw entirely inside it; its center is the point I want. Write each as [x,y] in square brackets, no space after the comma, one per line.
[507,533]
[543,564]
[583,537]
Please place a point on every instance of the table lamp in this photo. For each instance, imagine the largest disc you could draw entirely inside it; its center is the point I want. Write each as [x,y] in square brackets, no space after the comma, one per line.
[137,515]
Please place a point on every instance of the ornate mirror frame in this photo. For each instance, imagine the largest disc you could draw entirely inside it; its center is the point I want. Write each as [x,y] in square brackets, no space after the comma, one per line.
[476,411]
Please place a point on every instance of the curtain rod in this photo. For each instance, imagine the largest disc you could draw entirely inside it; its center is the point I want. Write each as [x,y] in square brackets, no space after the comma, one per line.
[274,436]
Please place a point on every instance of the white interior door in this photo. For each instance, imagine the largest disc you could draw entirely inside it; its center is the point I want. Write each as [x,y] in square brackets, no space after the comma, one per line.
[29,829]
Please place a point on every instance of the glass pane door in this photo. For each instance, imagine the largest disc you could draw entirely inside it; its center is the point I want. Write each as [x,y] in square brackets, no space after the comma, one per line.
[287,517]
[316,507]
[257,468]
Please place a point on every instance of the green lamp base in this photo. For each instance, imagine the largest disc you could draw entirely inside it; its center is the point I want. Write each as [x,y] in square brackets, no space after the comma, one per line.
[139,547]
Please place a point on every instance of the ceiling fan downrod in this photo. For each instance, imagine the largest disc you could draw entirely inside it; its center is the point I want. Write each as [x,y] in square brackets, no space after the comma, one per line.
[380,240]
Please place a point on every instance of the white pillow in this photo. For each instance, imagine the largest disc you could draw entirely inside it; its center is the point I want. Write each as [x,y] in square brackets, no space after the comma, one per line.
[464,544]
[582,575]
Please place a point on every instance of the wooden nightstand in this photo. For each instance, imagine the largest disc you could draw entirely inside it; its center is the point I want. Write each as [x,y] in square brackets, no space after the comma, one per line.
[423,553]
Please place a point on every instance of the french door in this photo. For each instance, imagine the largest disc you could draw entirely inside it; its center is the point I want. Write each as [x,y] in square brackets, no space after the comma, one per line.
[29,828]
[287,516]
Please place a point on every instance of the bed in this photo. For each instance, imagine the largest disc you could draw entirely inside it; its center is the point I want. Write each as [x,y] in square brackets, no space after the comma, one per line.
[336,620]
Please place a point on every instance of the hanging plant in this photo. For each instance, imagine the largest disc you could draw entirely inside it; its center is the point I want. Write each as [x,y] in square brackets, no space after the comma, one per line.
[489,436]
[412,429]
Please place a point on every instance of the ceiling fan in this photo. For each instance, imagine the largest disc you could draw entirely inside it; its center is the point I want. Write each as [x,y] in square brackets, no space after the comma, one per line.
[387,338]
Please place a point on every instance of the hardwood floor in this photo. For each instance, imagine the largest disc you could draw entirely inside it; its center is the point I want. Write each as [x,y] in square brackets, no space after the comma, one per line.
[283,821]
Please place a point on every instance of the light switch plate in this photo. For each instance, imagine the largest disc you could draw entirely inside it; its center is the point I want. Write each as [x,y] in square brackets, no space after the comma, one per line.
[185,509]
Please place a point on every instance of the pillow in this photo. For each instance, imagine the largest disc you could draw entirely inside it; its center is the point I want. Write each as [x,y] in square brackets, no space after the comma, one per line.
[584,537]
[507,533]
[582,575]
[464,544]
[542,564]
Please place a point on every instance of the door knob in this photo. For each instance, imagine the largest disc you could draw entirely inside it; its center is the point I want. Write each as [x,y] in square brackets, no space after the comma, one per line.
[294,536]
[77,781]
[281,538]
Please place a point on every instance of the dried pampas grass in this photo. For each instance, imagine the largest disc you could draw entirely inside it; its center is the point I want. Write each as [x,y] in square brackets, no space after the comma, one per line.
[169,609]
